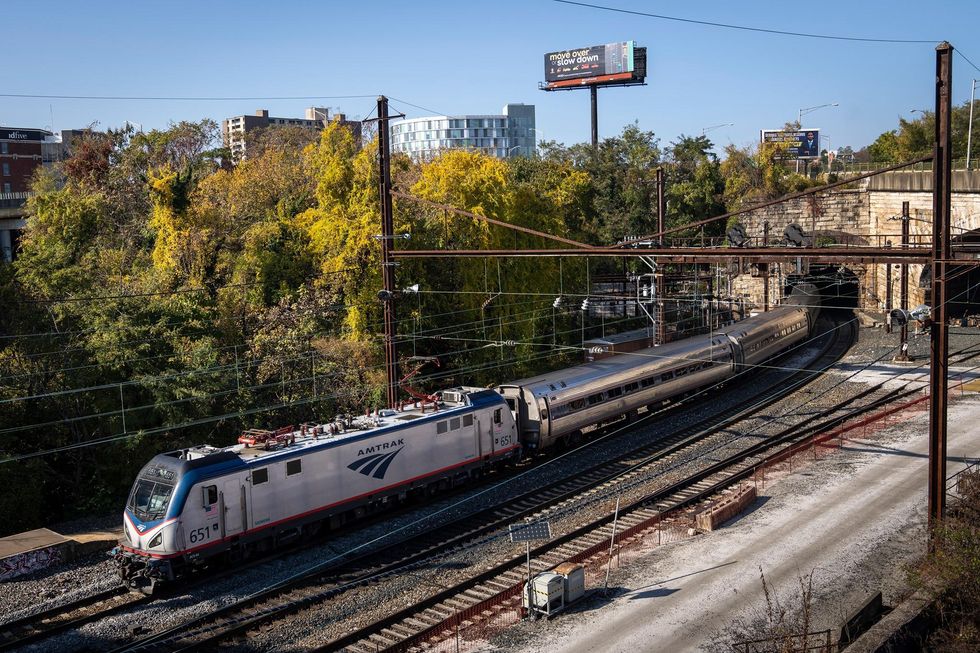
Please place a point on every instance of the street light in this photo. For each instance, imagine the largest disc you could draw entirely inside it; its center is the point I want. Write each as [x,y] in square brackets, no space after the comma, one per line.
[803,112]
[807,110]
[705,130]
[516,147]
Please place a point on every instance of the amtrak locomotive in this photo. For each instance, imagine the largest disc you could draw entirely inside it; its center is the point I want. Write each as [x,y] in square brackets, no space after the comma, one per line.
[191,506]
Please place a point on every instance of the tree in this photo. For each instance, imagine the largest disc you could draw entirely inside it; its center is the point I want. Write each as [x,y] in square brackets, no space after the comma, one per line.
[695,187]
[622,173]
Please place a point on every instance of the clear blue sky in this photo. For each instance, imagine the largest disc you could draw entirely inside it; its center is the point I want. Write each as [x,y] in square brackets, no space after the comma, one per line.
[473,57]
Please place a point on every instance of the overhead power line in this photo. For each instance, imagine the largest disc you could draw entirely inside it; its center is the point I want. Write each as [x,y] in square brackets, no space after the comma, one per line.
[964,57]
[745,28]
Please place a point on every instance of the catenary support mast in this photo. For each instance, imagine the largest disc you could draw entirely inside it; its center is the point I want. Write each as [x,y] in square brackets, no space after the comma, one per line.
[939,332]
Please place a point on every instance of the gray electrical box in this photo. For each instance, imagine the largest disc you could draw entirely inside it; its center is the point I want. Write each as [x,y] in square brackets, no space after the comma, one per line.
[574,575]
[546,595]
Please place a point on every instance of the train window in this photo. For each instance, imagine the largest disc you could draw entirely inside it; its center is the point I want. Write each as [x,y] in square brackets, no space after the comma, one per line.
[544,414]
[260,476]
[681,371]
[442,427]
[552,386]
[511,403]
[496,416]
[632,387]
[563,384]
[647,382]
[577,404]
[454,424]
[467,420]
[294,466]
[210,495]
[666,376]
[614,392]
[595,399]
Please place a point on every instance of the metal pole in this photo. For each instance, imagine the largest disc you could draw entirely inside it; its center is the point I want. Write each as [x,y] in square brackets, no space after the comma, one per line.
[387,265]
[612,542]
[904,337]
[658,278]
[969,132]
[661,203]
[939,333]
[122,407]
[530,594]
[764,268]
[238,373]
[888,293]
[595,117]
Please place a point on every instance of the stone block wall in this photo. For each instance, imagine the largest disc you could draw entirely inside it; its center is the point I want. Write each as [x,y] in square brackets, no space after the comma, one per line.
[859,215]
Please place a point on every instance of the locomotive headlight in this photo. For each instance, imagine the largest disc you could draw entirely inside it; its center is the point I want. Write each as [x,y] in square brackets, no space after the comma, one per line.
[156,541]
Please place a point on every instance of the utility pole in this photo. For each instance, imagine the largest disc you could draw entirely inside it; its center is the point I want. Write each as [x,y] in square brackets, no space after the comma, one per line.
[387,265]
[939,331]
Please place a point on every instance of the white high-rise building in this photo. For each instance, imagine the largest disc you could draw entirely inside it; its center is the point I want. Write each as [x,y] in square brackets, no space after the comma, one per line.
[502,136]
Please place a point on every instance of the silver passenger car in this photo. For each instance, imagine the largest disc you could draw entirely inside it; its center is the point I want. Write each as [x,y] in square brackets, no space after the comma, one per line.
[559,404]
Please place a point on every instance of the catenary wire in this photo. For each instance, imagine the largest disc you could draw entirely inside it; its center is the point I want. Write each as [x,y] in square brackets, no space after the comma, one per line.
[746,28]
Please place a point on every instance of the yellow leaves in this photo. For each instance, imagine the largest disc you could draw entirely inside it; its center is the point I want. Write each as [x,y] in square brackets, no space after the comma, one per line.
[468,180]
[331,161]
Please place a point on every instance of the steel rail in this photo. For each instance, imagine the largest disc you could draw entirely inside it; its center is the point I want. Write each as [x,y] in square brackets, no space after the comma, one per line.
[65,617]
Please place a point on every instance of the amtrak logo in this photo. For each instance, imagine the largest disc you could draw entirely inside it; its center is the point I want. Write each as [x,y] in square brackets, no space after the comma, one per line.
[376,464]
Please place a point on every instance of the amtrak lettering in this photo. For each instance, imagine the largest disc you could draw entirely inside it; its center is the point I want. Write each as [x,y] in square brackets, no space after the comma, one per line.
[374,448]
[376,464]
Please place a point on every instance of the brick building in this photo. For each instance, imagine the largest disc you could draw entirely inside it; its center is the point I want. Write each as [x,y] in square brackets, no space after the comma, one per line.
[22,151]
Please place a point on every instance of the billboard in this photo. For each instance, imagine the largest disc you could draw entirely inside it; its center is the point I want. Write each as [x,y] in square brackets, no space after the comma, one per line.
[597,64]
[7,134]
[794,143]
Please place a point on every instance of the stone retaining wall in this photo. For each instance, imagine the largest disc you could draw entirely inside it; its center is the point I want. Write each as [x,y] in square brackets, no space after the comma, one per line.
[860,215]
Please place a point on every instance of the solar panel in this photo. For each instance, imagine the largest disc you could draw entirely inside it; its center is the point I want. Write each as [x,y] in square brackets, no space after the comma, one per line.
[540,530]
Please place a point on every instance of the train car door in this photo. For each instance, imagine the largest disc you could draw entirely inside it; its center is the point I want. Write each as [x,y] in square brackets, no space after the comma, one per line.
[232,507]
[211,501]
[481,449]
[514,396]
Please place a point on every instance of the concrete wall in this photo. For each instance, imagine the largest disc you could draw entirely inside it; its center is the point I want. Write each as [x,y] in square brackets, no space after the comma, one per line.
[864,215]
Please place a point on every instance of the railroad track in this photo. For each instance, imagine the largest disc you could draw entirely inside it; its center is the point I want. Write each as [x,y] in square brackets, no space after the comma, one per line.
[502,585]
[326,583]
[353,572]
[65,617]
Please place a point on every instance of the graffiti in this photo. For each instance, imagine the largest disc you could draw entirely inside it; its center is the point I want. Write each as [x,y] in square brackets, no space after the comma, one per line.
[29,561]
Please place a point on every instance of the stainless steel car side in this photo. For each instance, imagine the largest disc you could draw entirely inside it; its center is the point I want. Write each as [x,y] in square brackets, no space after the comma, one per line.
[555,407]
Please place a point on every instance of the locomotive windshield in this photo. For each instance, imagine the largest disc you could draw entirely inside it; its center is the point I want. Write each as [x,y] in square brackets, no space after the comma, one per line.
[150,499]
